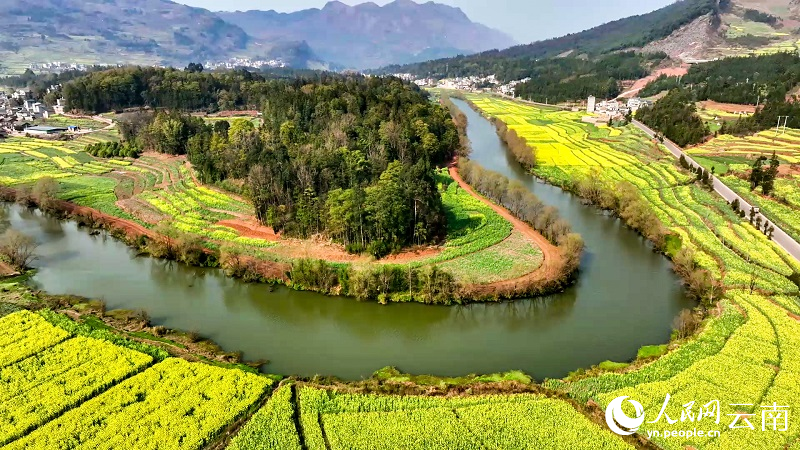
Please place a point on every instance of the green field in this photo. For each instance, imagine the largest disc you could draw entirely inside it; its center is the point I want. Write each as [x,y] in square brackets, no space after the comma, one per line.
[479,247]
[64,121]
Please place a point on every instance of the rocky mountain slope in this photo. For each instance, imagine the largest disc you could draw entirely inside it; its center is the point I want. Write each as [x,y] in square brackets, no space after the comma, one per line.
[740,27]
[368,35]
[628,33]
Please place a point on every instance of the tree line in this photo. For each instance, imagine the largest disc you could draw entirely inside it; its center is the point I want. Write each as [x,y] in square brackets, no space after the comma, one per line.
[675,116]
[525,205]
[348,157]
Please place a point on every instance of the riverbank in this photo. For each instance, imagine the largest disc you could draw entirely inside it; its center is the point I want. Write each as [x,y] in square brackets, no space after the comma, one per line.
[91,316]
[258,254]
[307,334]
[734,271]
[238,410]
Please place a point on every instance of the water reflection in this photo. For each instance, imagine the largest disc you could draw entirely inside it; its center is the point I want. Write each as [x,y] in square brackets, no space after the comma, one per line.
[621,282]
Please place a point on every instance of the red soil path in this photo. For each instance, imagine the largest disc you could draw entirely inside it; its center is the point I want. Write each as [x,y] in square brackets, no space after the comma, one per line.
[129,227]
[727,107]
[552,262]
[640,84]
[250,229]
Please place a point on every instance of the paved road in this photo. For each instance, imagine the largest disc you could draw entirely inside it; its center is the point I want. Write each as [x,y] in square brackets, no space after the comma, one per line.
[780,237]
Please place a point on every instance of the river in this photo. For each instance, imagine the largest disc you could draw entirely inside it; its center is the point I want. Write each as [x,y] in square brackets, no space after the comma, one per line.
[626,297]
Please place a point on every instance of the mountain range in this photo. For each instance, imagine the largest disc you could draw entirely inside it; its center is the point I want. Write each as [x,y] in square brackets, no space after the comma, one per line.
[125,31]
[402,36]
[170,33]
[369,36]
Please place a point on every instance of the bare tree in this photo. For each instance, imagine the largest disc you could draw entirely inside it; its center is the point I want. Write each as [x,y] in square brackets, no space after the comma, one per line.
[45,192]
[18,248]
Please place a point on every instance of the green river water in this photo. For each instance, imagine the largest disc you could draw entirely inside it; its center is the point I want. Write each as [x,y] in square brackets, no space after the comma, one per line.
[626,297]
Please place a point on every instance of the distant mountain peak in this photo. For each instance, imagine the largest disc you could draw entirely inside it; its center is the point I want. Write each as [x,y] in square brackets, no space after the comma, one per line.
[404,3]
[335,5]
[368,35]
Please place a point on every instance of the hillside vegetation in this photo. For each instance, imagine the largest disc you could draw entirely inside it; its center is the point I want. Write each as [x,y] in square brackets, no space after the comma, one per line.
[621,34]
[767,80]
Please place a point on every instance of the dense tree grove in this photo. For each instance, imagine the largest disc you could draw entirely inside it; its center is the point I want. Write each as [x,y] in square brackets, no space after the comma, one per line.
[675,116]
[661,84]
[744,80]
[759,16]
[351,158]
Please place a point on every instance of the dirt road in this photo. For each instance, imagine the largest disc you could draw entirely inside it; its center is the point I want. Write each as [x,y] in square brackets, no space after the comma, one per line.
[552,262]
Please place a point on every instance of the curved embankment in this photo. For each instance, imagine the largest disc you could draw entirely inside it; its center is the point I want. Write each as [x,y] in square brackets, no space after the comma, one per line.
[552,262]
[543,279]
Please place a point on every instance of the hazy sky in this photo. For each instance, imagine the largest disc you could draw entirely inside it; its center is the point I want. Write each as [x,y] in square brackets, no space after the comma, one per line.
[524,20]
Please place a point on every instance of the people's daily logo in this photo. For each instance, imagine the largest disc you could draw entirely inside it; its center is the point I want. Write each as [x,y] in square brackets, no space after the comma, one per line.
[774,418]
[616,417]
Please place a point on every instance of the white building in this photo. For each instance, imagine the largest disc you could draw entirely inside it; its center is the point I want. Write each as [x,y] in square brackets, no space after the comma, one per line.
[58,108]
[591,104]
[635,103]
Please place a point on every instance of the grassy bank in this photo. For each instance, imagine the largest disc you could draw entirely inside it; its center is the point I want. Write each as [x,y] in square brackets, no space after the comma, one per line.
[168,213]
[750,300]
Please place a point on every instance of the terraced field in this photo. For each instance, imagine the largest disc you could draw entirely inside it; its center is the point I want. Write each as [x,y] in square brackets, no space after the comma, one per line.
[561,139]
[746,356]
[65,390]
[147,190]
[334,420]
[152,189]
[785,145]
[733,158]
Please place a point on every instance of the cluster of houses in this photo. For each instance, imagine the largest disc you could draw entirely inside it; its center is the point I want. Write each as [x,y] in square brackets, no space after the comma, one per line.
[57,67]
[472,84]
[18,111]
[234,63]
[615,108]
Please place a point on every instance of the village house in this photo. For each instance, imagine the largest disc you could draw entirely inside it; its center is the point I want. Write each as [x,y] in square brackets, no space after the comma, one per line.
[635,103]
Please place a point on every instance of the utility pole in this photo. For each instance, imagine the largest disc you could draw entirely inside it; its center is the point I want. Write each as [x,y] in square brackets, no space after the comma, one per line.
[778,127]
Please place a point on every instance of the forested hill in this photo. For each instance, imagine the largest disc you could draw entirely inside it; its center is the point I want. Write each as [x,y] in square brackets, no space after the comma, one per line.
[625,33]
[769,81]
[348,157]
